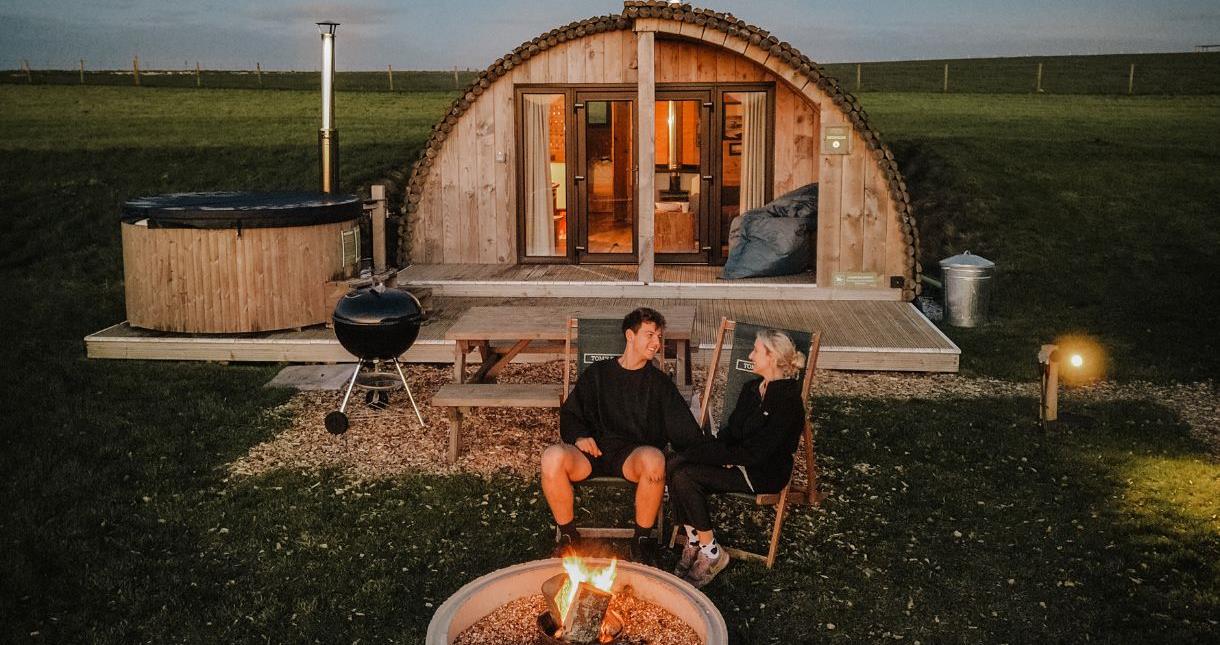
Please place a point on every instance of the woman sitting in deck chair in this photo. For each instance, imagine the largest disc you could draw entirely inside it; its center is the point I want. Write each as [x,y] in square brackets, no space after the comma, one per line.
[752,454]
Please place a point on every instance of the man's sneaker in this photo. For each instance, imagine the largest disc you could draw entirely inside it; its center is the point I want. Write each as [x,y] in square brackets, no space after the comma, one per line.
[644,550]
[706,567]
[566,545]
[690,551]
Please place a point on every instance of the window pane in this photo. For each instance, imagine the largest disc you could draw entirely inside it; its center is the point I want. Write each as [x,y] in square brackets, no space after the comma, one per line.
[678,188]
[544,141]
[610,160]
[743,152]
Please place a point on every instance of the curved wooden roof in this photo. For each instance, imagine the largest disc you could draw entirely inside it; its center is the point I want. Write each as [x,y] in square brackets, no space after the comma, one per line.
[794,67]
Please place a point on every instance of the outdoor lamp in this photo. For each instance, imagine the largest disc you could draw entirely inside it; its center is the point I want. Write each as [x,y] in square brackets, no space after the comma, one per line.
[1071,359]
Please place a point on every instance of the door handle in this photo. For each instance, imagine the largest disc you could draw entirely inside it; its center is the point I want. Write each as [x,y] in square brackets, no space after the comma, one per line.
[579,178]
[707,178]
[581,248]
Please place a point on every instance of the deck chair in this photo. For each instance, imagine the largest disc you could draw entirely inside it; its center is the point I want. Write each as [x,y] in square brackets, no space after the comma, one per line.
[738,374]
[590,340]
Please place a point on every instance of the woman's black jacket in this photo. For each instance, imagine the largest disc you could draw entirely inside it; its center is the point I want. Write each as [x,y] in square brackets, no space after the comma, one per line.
[761,435]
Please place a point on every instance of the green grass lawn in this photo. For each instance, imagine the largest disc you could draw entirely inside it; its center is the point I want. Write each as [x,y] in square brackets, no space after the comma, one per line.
[1100,213]
[949,520]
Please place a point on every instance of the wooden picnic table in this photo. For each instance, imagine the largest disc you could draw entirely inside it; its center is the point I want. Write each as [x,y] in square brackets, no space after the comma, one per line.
[500,334]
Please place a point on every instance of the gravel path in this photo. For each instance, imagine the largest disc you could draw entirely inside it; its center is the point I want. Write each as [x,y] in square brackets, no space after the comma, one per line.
[510,440]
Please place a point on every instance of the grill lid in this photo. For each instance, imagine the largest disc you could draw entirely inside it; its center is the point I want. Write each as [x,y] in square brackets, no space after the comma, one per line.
[378,306]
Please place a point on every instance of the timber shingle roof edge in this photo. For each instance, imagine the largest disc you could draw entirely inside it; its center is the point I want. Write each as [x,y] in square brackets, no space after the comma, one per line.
[684,13]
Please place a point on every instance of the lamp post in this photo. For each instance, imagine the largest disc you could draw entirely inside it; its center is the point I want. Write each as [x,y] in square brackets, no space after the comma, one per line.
[328,136]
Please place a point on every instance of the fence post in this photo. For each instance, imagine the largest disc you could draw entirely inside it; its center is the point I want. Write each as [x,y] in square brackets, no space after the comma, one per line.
[946,88]
[258,69]
[1038,83]
[1131,79]
[82,71]
[135,70]
[857,77]
[198,81]
[389,70]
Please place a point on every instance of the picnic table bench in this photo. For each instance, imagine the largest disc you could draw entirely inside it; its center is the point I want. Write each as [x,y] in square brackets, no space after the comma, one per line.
[500,334]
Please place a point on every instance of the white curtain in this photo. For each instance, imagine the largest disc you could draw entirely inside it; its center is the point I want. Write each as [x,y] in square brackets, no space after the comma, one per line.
[753,150]
[539,206]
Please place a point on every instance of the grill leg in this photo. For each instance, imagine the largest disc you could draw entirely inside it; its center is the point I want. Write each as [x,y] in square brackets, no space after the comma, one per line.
[350,385]
[409,395]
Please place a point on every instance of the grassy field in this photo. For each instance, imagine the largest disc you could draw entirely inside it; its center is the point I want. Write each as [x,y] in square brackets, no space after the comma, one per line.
[1099,226]
[950,520]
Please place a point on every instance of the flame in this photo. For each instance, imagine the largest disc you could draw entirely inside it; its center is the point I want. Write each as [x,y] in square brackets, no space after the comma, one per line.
[602,578]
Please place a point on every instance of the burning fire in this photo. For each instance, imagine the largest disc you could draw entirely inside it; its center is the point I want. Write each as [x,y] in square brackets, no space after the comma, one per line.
[602,578]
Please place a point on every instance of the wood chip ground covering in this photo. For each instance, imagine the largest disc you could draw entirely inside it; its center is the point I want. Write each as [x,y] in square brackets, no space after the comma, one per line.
[515,623]
[390,442]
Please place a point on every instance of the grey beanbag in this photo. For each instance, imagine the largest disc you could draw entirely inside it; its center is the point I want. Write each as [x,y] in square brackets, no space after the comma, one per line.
[774,238]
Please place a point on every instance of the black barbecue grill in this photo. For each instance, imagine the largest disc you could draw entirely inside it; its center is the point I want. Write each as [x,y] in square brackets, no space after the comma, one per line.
[376,324]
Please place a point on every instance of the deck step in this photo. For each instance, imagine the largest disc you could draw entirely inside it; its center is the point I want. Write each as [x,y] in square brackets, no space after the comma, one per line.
[499,395]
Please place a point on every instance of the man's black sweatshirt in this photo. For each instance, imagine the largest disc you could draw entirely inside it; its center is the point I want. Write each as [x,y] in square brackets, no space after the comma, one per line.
[618,407]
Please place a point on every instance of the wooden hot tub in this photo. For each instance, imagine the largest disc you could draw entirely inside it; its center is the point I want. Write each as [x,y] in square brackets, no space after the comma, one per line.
[236,262]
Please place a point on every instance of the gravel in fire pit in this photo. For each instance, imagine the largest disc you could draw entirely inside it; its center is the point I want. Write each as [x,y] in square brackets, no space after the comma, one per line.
[515,623]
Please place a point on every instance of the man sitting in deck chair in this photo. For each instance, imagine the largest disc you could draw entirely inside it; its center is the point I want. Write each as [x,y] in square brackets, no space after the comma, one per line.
[618,419]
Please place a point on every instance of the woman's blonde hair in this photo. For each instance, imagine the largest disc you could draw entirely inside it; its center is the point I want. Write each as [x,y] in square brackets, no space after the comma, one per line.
[787,358]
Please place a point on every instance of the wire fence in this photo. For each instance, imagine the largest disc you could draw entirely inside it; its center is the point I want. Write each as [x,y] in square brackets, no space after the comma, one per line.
[387,80]
[1183,73]
[1186,73]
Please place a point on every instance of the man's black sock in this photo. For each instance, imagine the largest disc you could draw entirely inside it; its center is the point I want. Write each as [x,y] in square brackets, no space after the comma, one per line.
[642,532]
[569,529]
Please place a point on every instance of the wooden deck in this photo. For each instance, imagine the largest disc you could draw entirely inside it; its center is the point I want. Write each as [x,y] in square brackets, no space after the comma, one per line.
[620,281]
[856,335]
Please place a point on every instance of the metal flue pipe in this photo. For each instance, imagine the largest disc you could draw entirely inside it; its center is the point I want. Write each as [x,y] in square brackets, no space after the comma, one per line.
[328,136]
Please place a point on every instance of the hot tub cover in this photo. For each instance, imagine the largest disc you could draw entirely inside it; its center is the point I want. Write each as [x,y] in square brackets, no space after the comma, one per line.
[241,210]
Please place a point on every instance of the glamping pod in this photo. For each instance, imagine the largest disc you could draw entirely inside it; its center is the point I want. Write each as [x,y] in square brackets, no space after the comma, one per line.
[640,138]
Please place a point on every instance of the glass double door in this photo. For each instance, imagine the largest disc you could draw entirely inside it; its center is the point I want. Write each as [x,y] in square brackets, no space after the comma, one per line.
[606,177]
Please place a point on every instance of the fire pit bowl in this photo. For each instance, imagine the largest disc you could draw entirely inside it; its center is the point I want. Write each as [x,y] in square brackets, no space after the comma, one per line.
[488,593]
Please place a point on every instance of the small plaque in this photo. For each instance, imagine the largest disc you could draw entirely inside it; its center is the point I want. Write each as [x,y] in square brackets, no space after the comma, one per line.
[351,247]
[855,279]
[836,140]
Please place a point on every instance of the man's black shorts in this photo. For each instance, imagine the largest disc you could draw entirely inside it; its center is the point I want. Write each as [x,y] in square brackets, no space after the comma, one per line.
[610,464]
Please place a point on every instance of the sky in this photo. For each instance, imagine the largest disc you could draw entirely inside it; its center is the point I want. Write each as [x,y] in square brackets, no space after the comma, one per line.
[439,34]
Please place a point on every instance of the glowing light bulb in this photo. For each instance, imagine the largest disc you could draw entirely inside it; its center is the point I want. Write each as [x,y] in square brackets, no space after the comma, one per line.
[1076,360]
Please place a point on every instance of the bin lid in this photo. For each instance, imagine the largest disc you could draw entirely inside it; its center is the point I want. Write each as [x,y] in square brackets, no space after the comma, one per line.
[967,260]
[241,209]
